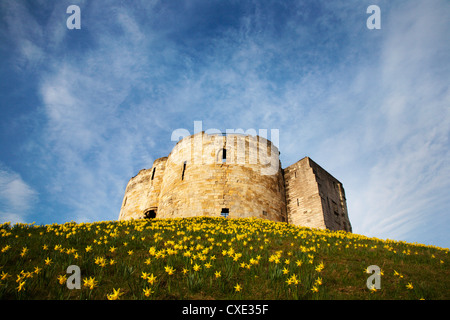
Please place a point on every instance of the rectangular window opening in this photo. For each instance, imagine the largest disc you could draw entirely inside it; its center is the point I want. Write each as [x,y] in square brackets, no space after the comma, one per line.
[224,155]
[225,212]
[264,213]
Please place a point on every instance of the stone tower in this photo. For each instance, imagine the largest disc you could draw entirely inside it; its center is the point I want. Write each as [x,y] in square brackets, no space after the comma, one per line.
[314,197]
[234,176]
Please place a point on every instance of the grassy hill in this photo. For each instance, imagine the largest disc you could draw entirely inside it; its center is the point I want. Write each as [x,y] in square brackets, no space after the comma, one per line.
[212,258]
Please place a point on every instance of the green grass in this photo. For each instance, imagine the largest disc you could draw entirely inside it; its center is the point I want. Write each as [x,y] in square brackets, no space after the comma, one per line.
[258,255]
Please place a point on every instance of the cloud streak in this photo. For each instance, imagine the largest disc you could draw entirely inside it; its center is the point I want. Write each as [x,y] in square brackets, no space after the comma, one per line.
[16,196]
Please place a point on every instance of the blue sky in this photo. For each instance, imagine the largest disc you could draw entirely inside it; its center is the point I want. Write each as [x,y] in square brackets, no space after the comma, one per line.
[82,111]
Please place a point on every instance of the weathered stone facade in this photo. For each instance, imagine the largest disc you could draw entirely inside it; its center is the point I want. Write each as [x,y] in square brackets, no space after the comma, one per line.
[314,197]
[235,176]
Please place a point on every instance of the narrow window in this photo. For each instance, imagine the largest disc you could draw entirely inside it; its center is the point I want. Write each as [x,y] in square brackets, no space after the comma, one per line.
[153,173]
[184,169]
[298,203]
[334,206]
[224,155]
[264,213]
[295,174]
[225,212]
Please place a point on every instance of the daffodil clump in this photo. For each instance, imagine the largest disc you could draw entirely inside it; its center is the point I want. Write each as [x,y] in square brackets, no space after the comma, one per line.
[212,258]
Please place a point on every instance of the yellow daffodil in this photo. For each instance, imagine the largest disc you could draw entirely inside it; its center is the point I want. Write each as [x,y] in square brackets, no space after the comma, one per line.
[115,295]
[318,281]
[319,267]
[293,280]
[409,286]
[90,283]
[21,285]
[169,270]
[62,279]
[398,274]
[151,279]
[24,251]
[237,287]
[4,275]
[148,291]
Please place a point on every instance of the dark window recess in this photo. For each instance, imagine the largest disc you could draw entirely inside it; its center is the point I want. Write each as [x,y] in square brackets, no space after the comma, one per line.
[153,173]
[334,207]
[225,212]
[150,214]
[224,155]
[264,213]
[184,169]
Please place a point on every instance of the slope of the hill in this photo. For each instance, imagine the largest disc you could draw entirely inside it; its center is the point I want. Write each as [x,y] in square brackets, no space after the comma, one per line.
[212,258]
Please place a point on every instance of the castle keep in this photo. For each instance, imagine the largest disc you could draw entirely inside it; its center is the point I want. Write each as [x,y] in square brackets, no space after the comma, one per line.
[235,176]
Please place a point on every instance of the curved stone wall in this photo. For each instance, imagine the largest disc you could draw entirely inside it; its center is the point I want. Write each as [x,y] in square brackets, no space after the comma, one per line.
[142,192]
[211,175]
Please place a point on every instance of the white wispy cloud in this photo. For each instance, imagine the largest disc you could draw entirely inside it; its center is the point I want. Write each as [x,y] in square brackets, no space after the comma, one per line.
[16,196]
[96,134]
[402,138]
